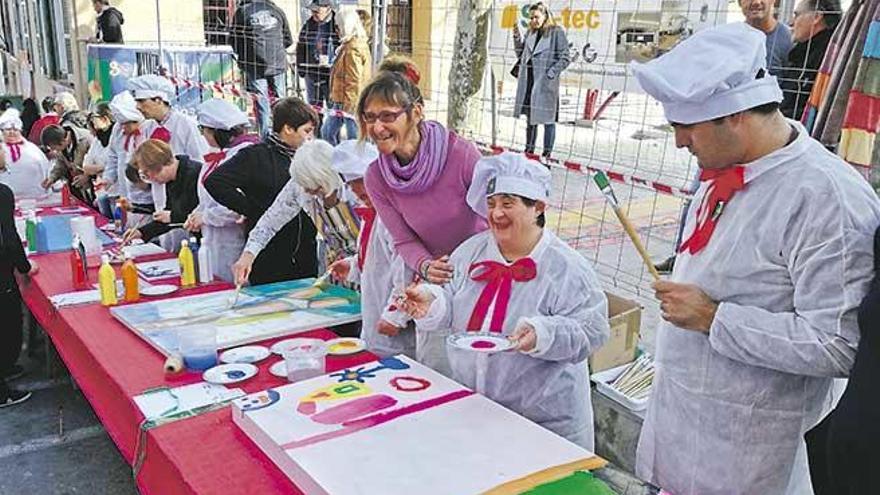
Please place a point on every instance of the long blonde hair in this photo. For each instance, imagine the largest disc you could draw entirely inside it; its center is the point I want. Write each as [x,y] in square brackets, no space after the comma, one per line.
[349,23]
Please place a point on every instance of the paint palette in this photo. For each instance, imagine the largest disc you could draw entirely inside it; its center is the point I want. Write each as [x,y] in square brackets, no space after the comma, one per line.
[279,369]
[247,354]
[283,346]
[158,290]
[229,373]
[345,345]
[480,342]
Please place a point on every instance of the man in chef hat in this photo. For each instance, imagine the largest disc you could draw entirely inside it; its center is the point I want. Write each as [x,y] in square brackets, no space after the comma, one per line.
[524,287]
[23,167]
[153,95]
[760,311]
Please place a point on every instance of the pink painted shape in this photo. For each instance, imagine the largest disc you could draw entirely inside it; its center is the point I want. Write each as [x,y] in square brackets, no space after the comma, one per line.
[360,424]
[307,408]
[354,409]
[483,344]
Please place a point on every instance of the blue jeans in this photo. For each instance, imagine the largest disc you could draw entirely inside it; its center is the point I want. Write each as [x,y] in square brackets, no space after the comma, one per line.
[318,93]
[332,124]
[266,87]
[549,138]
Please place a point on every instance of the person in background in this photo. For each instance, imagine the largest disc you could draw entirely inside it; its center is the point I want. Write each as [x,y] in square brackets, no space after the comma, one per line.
[224,127]
[156,164]
[67,108]
[29,115]
[260,35]
[316,189]
[543,55]
[67,147]
[50,117]
[101,128]
[24,166]
[418,186]
[124,140]
[376,267]
[555,313]
[249,182]
[109,23]
[12,259]
[759,314]
[350,73]
[315,50]
[811,29]
[760,14]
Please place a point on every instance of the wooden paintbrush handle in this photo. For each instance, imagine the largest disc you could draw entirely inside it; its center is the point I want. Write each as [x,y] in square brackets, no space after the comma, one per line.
[634,237]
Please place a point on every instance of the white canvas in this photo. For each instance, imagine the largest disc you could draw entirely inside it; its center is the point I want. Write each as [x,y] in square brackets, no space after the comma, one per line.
[440,440]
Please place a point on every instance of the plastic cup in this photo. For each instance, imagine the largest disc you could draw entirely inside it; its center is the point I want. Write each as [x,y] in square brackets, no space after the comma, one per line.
[198,346]
[304,359]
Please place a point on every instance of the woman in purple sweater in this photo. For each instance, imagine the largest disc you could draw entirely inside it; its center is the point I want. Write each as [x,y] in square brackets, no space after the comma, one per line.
[421,179]
[418,186]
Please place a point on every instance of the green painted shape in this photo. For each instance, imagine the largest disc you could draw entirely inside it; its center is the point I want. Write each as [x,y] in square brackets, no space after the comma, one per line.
[579,483]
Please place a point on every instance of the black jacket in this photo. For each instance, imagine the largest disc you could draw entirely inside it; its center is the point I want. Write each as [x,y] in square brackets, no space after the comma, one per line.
[797,77]
[183,197]
[110,26]
[259,34]
[247,184]
[12,255]
[316,39]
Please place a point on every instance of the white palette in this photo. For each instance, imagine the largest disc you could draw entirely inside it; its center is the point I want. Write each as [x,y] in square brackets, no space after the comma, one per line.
[396,427]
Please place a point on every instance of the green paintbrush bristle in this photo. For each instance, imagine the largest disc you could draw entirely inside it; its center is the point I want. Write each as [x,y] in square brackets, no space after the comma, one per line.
[601,180]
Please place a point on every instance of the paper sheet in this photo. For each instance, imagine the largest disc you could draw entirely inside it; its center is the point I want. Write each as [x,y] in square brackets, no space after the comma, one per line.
[168,403]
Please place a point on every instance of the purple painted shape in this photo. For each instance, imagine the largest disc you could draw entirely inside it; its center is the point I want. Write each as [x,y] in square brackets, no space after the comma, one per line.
[361,424]
[354,409]
[483,344]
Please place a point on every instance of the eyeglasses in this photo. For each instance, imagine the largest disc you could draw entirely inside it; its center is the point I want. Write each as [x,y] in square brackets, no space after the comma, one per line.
[386,116]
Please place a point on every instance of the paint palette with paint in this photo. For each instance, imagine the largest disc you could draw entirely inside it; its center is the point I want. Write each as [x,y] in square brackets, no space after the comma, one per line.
[364,429]
[480,342]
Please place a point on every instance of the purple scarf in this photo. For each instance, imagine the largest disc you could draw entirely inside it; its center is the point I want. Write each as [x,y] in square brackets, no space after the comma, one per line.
[420,174]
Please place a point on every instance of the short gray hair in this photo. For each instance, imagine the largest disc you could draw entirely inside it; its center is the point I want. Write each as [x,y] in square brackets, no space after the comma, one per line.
[312,167]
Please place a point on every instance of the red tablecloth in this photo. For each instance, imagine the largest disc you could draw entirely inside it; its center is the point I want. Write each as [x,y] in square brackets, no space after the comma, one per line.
[206,454]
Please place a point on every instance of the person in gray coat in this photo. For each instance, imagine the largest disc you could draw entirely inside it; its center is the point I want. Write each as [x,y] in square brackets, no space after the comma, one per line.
[543,55]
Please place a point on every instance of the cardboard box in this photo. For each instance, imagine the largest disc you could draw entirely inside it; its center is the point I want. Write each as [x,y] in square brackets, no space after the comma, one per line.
[625,318]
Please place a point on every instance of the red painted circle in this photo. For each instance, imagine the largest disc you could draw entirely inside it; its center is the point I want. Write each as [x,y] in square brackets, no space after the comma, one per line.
[417,383]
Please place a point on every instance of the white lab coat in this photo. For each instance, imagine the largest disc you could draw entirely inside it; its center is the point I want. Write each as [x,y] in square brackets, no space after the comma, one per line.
[25,175]
[789,261]
[222,235]
[384,270]
[567,308]
[116,162]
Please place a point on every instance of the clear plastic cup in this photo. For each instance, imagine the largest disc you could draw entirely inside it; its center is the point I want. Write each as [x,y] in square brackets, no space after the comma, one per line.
[304,359]
[198,346]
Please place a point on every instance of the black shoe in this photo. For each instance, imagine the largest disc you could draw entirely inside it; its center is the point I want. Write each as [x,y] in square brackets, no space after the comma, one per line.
[14,397]
[665,266]
[13,373]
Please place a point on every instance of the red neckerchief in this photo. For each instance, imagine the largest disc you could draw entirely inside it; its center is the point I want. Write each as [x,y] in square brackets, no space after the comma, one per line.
[162,134]
[368,215]
[499,278]
[725,183]
[212,160]
[14,150]
[129,137]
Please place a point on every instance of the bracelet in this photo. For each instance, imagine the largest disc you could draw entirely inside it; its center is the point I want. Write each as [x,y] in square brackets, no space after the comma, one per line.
[423,269]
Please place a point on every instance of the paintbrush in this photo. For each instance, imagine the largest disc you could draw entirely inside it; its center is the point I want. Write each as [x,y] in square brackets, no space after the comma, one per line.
[234,299]
[604,184]
[322,282]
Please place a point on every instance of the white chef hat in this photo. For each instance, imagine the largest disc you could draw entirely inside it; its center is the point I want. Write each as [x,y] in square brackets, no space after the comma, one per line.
[124,108]
[352,157]
[718,71]
[151,86]
[11,119]
[507,173]
[220,114]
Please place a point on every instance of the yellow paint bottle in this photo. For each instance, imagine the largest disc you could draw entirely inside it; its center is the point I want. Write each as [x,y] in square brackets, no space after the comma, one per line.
[107,282]
[187,265]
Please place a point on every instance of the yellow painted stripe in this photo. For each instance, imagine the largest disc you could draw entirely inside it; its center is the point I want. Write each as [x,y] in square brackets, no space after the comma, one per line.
[554,473]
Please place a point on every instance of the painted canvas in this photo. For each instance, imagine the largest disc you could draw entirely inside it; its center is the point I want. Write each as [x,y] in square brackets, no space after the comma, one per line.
[393,426]
[261,312]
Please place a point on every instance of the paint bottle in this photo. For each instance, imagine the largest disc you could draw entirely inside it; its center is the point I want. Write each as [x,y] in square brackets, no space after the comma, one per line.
[187,265]
[206,267]
[84,257]
[118,218]
[65,194]
[130,279]
[195,249]
[42,234]
[77,274]
[31,232]
[107,282]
